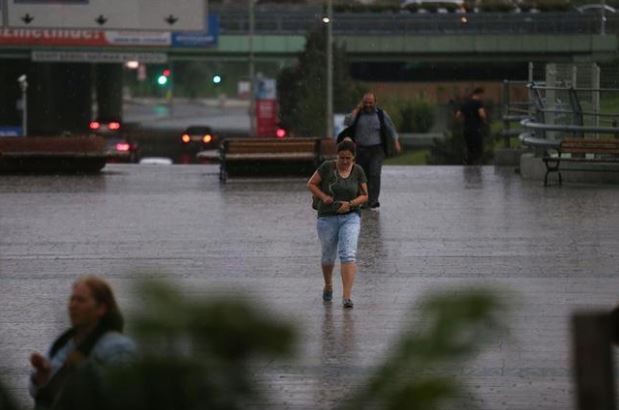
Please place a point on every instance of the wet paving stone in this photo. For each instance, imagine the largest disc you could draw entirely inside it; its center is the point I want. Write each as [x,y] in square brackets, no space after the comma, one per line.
[550,251]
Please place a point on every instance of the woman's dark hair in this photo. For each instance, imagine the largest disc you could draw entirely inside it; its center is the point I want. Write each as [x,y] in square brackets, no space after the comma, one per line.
[112,320]
[347,145]
[102,293]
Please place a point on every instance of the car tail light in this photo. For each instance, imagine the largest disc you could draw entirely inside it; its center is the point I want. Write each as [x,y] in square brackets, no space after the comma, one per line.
[114,125]
[123,146]
[207,138]
[94,125]
[280,133]
[186,138]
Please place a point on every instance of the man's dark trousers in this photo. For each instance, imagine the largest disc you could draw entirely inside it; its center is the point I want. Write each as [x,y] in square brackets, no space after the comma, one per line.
[474,146]
[371,160]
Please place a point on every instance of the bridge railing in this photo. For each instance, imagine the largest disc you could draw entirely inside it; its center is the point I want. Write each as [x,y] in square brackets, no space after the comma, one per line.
[558,112]
[514,109]
[281,20]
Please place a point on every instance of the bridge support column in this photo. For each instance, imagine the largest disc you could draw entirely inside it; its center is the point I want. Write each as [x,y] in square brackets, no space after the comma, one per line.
[108,86]
[59,98]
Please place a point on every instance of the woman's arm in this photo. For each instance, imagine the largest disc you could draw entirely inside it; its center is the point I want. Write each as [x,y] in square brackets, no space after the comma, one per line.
[355,202]
[362,198]
[313,185]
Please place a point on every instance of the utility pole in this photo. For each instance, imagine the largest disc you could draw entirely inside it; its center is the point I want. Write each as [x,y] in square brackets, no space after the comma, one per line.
[23,84]
[603,19]
[252,71]
[329,23]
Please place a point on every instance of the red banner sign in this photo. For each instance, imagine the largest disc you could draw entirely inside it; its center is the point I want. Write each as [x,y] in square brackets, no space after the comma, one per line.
[266,118]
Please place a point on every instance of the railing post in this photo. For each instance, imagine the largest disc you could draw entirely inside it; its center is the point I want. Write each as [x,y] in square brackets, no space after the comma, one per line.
[593,361]
[506,110]
[576,111]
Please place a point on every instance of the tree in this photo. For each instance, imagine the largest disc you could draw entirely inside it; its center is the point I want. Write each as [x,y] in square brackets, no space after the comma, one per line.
[302,89]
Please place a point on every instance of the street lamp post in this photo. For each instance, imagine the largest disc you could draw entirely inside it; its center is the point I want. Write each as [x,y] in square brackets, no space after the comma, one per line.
[329,22]
[23,85]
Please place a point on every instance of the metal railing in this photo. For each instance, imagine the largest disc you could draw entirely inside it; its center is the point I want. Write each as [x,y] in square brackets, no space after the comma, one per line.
[513,111]
[558,112]
[298,20]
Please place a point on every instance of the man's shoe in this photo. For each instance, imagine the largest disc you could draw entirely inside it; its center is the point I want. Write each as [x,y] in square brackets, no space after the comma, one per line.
[375,205]
[327,295]
[348,304]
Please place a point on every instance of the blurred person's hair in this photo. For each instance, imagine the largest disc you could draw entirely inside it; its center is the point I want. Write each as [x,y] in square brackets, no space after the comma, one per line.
[103,294]
[112,320]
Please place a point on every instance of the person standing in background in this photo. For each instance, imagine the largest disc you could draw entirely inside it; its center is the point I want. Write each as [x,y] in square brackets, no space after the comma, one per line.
[473,113]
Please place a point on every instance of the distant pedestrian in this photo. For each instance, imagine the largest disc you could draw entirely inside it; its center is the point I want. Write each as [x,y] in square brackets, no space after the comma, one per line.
[341,187]
[473,113]
[95,336]
[373,131]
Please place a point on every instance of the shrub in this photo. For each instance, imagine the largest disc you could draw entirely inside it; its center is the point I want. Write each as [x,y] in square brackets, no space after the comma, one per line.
[411,116]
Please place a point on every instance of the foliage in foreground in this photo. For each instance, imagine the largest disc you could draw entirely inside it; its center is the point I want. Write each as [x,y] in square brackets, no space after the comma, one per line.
[200,354]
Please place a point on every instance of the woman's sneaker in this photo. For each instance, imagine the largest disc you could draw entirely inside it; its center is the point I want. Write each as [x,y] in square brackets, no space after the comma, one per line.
[348,303]
[327,295]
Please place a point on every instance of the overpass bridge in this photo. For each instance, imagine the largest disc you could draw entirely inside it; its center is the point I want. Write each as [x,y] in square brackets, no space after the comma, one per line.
[429,37]
[419,37]
[279,36]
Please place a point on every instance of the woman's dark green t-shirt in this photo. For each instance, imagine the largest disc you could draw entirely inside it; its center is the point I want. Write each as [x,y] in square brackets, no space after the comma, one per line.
[341,189]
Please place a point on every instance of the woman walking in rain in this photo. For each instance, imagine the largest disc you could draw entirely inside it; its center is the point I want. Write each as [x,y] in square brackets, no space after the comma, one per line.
[341,188]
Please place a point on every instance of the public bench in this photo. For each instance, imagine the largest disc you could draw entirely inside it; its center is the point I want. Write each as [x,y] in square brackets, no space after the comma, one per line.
[575,150]
[269,156]
[51,154]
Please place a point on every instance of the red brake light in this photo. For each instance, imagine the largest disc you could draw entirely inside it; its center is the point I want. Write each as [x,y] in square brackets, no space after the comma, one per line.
[123,147]
[186,138]
[94,125]
[280,133]
[114,125]
[207,138]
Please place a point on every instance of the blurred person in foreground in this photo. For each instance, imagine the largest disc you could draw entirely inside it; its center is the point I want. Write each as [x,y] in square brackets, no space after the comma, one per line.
[473,113]
[95,337]
[373,131]
[341,187]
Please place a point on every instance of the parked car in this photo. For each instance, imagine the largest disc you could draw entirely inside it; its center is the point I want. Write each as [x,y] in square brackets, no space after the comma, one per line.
[119,148]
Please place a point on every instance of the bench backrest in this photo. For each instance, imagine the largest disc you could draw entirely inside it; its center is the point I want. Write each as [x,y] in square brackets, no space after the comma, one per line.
[75,144]
[589,146]
[246,145]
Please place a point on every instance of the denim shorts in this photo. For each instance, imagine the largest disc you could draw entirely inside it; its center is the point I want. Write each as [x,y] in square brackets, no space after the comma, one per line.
[339,234]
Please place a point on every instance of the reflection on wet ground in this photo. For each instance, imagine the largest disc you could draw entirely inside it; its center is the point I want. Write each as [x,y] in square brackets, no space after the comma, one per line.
[438,228]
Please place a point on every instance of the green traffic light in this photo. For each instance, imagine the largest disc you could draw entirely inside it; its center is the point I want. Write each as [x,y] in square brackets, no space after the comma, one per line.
[162,80]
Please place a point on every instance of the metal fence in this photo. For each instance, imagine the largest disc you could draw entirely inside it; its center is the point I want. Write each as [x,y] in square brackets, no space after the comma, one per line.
[291,20]
[563,100]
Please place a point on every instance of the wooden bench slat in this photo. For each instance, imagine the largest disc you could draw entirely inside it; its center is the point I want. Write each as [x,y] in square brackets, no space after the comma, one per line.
[589,146]
[270,155]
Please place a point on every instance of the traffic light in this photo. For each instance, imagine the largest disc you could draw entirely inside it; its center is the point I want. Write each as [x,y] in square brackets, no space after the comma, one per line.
[216,79]
[164,78]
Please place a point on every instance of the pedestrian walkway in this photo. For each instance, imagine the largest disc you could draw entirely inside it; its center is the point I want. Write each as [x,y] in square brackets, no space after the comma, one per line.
[553,250]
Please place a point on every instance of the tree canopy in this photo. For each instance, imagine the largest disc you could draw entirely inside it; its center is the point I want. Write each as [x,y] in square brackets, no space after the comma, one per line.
[302,88]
